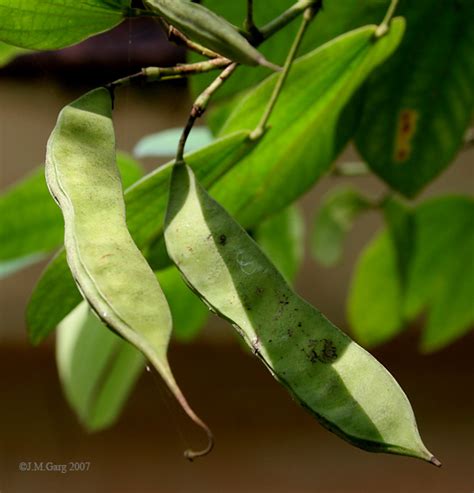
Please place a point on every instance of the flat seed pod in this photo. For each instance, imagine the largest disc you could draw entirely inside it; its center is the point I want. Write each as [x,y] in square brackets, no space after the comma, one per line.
[108,268]
[211,30]
[336,380]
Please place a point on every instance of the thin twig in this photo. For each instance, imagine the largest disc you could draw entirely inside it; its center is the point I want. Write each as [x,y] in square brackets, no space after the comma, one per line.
[152,74]
[308,15]
[199,107]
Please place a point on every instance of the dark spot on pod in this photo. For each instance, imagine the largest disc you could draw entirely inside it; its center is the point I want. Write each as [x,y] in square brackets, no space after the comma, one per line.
[329,351]
[299,324]
[322,350]
[259,290]
[290,333]
[222,240]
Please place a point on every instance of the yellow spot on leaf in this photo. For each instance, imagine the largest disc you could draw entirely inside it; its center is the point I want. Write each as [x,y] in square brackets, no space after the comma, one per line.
[406,129]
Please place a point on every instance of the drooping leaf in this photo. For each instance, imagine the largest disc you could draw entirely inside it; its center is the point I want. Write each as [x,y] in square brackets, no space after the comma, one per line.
[31,225]
[97,369]
[55,294]
[165,143]
[300,144]
[188,311]
[419,104]
[281,237]
[439,277]
[8,53]
[339,209]
[53,24]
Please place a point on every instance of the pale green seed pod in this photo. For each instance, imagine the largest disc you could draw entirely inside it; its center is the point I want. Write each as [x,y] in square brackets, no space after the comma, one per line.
[331,376]
[108,268]
[211,30]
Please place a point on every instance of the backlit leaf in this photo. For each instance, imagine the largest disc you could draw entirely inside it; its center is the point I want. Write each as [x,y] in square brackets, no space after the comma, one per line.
[54,24]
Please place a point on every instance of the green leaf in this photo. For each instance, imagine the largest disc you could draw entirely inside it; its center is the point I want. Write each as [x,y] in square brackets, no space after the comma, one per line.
[53,24]
[97,369]
[31,224]
[281,237]
[339,209]
[299,146]
[188,311]
[55,294]
[375,303]
[441,278]
[165,143]
[400,220]
[8,53]
[419,104]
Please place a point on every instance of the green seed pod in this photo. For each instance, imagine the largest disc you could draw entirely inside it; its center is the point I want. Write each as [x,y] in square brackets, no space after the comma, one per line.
[211,30]
[331,376]
[108,268]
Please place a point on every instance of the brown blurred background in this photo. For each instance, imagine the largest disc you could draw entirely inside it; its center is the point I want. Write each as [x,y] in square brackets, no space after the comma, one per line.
[265,442]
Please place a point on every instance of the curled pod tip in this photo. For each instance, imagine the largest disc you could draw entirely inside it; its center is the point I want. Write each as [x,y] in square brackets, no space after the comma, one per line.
[108,268]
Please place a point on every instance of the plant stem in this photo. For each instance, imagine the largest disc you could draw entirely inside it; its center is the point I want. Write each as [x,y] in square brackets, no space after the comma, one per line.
[152,74]
[252,33]
[309,13]
[199,107]
[383,27]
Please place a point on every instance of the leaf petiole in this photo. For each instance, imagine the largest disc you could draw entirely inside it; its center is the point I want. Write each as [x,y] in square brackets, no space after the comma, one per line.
[383,27]
[308,16]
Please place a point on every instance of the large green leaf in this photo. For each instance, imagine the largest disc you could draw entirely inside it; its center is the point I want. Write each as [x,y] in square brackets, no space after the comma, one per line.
[336,18]
[31,224]
[439,277]
[339,209]
[97,369]
[8,53]
[56,294]
[300,144]
[419,104]
[54,24]
[281,237]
